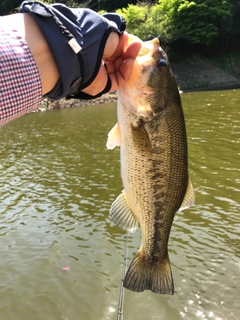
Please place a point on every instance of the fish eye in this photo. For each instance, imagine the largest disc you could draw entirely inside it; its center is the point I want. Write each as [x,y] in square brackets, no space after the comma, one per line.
[162,63]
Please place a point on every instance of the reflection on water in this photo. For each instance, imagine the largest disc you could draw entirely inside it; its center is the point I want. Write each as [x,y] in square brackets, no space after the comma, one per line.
[57,184]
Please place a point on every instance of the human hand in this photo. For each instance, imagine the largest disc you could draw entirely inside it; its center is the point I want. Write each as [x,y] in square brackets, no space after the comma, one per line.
[118,57]
[87,50]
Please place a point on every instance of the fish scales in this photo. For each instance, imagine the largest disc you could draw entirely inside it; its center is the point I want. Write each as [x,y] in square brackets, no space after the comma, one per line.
[154,167]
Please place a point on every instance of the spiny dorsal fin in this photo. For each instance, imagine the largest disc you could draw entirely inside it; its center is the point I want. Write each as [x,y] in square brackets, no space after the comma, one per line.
[114,137]
[189,197]
[121,214]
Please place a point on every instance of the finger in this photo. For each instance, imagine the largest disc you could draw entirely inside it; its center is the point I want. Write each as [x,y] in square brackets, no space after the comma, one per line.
[123,41]
[111,45]
[121,76]
[120,70]
[119,67]
[132,50]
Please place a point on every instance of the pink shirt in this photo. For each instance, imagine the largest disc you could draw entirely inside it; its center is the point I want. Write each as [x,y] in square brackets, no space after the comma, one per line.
[20,83]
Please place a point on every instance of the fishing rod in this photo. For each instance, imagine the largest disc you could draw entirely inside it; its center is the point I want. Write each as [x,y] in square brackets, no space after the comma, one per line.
[121,291]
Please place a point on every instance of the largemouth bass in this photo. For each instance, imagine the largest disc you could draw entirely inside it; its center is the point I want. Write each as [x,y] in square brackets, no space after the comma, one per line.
[152,137]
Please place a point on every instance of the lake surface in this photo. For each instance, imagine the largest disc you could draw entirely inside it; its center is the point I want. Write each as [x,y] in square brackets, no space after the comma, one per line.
[58,181]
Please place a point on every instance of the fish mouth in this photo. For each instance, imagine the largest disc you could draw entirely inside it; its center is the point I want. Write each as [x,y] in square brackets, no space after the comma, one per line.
[151,62]
[140,94]
[149,46]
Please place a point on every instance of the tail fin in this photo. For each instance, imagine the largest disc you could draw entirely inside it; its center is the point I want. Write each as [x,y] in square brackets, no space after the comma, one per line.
[143,275]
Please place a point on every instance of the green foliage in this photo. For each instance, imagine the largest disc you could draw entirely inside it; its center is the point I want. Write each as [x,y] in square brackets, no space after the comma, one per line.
[107,5]
[180,23]
[142,20]
[135,17]
[8,7]
[235,21]
[204,23]
[198,22]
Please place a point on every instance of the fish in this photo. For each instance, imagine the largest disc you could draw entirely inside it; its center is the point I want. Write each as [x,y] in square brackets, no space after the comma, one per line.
[151,134]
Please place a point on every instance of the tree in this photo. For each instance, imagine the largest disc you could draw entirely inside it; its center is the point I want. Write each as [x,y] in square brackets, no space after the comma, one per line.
[232,40]
[7,7]
[135,17]
[198,22]
[108,5]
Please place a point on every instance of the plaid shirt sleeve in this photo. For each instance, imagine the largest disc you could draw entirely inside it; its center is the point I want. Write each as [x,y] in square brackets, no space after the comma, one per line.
[20,83]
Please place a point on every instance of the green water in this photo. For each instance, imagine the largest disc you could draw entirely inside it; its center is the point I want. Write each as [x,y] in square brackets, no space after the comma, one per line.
[58,181]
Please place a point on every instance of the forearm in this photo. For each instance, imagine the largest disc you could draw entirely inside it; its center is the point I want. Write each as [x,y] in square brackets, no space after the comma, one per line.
[20,83]
[60,52]
[27,67]
[28,30]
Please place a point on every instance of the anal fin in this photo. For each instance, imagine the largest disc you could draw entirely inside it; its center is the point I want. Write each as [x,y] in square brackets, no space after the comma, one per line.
[122,215]
[189,197]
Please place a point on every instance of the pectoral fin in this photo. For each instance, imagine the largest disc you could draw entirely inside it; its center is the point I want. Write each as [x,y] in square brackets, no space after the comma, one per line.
[114,137]
[189,198]
[121,214]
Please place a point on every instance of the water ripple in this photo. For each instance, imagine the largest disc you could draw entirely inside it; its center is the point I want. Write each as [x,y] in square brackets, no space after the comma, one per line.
[57,184]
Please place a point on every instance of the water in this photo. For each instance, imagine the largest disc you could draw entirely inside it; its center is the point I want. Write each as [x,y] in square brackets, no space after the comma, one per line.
[58,181]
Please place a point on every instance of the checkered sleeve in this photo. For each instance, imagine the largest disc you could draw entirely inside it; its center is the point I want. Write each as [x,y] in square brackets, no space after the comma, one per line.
[20,83]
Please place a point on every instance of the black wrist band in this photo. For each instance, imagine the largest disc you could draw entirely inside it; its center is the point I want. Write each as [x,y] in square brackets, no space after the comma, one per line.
[84,96]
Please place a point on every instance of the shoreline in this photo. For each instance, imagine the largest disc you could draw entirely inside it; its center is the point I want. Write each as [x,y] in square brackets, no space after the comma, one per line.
[111,97]
[192,74]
